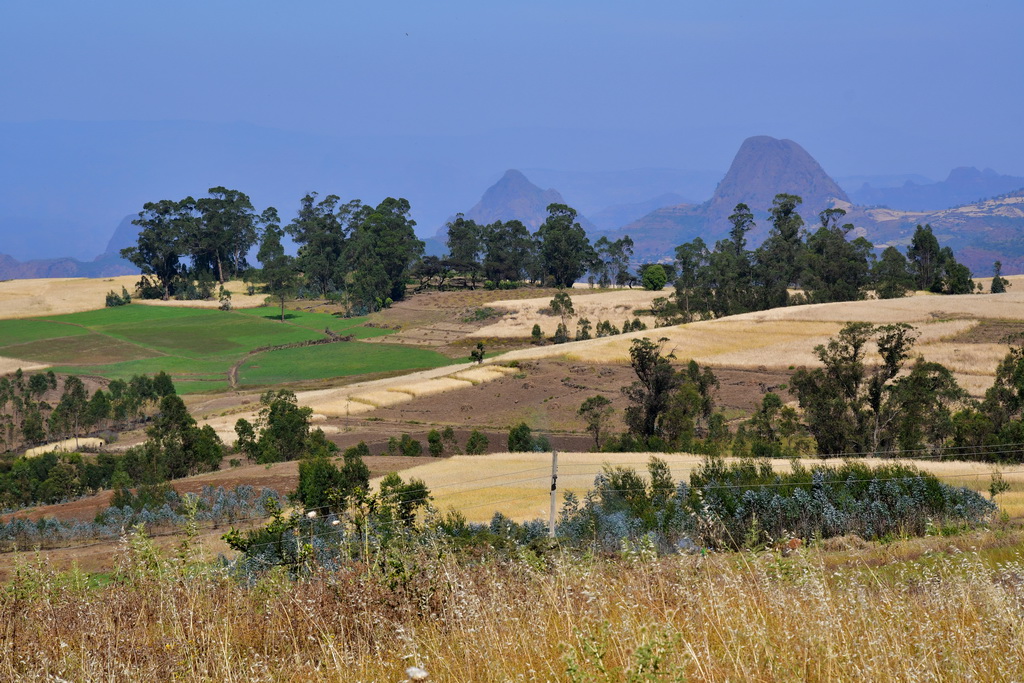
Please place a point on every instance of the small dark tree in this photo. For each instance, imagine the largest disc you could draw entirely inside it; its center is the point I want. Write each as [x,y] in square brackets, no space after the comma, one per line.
[477,443]
[596,411]
[999,283]
[477,354]
[520,438]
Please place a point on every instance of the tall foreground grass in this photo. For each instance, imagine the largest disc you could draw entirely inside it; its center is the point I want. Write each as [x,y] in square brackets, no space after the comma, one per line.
[811,615]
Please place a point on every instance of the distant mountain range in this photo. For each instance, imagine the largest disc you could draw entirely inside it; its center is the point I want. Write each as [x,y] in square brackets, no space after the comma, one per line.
[963,186]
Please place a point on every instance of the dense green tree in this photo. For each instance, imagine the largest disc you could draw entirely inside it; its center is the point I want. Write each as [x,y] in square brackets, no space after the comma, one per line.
[322,229]
[466,248]
[281,431]
[779,260]
[891,275]
[383,246]
[693,295]
[177,447]
[160,244]
[835,269]
[924,258]
[955,276]
[279,274]
[851,407]
[653,277]
[509,251]
[323,486]
[649,394]
[565,252]
[228,227]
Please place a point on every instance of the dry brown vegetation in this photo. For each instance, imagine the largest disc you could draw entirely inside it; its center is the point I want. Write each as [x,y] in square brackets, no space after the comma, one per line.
[923,609]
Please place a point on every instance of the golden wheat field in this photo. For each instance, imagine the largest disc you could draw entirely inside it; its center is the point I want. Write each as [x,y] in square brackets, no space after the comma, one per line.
[518,484]
[55,296]
[786,337]
[615,305]
[52,296]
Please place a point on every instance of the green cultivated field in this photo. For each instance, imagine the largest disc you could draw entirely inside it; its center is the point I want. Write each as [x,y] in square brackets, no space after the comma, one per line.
[198,347]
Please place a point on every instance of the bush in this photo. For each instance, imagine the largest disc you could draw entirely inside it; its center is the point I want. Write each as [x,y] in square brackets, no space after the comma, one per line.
[434,445]
[520,438]
[746,504]
[654,277]
[115,299]
[477,443]
[410,447]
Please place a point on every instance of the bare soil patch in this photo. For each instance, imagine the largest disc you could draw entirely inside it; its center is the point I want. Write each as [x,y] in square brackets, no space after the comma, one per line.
[991,332]
[546,395]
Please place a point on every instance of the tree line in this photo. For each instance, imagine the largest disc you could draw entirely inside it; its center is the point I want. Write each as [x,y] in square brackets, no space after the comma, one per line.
[360,251]
[897,405]
[824,264]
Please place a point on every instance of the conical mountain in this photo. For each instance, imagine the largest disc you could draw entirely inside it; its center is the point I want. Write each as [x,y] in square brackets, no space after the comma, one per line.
[764,167]
[514,197]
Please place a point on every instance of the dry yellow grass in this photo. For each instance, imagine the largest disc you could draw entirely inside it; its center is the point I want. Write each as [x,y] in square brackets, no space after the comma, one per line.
[66,446]
[433,386]
[12,364]
[518,484]
[53,296]
[615,305]
[483,373]
[932,609]
[786,337]
[910,309]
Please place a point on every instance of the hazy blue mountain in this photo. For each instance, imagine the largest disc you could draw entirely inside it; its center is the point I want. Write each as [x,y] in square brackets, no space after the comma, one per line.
[964,185]
[514,197]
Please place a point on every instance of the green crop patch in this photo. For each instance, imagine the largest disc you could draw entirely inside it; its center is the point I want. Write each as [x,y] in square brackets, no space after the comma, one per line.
[335,360]
[219,334]
[33,329]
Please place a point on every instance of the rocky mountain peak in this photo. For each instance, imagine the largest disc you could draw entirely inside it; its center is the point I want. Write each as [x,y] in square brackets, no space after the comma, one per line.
[764,167]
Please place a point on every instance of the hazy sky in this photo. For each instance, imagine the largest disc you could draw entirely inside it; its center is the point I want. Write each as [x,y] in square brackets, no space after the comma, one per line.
[867,87]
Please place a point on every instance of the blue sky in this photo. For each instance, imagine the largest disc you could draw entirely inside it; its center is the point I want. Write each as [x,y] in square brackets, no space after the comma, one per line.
[868,87]
[105,105]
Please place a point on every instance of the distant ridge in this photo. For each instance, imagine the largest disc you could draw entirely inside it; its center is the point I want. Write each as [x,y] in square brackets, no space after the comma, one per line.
[964,185]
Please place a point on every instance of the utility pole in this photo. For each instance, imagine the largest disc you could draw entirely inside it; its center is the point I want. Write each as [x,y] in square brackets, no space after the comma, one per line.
[554,493]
